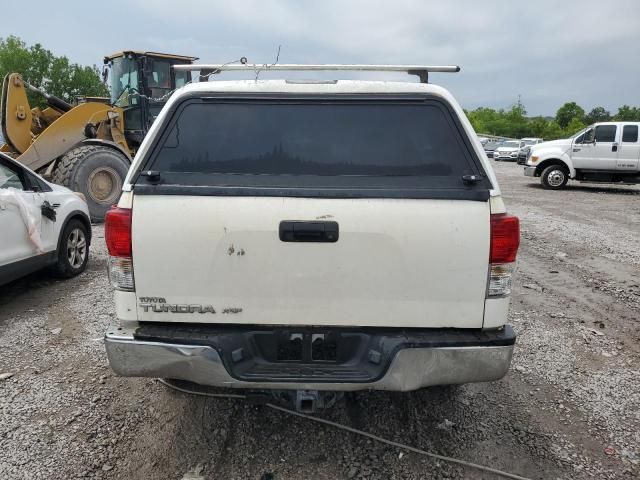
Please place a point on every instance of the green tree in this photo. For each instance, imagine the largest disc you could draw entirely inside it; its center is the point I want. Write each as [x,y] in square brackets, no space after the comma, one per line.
[552,131]
[518,123]
[575,125]
[515,124]
[568,112]
[628,114]
[537,126]
[483,119]
[597,114]
[506,123]
[41,68]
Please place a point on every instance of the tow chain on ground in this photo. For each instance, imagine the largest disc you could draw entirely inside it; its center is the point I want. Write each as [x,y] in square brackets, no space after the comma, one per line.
[352,430]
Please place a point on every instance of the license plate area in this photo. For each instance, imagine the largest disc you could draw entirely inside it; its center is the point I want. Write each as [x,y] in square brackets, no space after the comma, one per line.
[307,347]
[311,354]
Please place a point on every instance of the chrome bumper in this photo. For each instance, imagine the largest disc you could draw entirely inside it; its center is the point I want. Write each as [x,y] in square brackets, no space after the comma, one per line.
[529,171]
[410,369]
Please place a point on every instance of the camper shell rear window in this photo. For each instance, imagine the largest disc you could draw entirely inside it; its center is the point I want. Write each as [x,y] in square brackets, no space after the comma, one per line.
[313,146]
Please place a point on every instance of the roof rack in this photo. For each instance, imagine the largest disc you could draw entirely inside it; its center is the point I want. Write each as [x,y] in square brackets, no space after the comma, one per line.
[422,71]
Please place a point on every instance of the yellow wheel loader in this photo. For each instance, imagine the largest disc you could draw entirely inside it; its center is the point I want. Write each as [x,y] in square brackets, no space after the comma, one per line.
[88,147]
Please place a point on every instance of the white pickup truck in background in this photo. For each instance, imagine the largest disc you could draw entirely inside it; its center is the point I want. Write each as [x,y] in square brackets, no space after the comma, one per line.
[311,237]
[606,152]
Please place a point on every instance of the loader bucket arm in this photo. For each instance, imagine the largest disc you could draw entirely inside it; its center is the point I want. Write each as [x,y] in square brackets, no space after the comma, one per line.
[15,116]
[69,130]
[40,137]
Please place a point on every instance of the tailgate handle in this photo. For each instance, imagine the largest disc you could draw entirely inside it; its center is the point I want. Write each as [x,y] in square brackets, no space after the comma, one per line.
[301,231]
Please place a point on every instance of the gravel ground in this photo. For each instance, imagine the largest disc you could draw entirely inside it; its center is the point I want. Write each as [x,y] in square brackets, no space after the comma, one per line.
[569,408]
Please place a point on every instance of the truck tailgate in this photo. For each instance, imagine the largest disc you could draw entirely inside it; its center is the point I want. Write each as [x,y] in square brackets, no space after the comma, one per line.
[396,262]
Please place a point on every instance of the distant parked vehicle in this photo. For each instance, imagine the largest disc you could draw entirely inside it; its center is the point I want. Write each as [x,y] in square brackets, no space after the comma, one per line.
[606,152]
[490,147]
[524,151]
[508,151]
[528,141]
[41,224]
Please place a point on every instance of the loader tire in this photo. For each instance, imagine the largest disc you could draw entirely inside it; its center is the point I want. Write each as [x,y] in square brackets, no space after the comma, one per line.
[96,172]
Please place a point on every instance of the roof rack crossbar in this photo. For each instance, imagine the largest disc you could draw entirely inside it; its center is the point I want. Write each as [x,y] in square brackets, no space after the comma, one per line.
[422,71]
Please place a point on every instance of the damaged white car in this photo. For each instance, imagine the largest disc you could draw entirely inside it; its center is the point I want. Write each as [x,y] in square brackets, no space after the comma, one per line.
[42,224]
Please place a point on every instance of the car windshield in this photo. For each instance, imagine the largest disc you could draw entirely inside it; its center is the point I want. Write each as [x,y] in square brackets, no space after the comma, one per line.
[511,144]
[529,142]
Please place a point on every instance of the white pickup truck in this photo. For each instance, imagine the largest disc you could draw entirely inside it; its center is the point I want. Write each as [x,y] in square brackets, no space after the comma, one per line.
[606,152]
[311,237]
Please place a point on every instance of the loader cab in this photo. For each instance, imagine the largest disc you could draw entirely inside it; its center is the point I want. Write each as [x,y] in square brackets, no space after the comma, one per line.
[140,84]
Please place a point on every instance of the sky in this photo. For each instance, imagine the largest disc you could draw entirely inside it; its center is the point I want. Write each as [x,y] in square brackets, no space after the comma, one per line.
[546,52]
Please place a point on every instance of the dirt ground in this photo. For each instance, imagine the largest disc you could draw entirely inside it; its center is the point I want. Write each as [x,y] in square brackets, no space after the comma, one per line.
[568,409]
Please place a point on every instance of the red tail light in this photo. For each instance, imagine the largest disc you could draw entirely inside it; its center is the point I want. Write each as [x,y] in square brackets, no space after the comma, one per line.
[117,231]
[505,238]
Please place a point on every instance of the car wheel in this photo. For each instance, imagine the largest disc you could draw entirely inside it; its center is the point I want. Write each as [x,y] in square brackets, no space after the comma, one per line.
[554,177]
[73,251]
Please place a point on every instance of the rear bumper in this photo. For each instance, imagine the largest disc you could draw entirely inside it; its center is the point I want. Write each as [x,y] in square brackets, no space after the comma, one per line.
[529,171]
[449,357]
